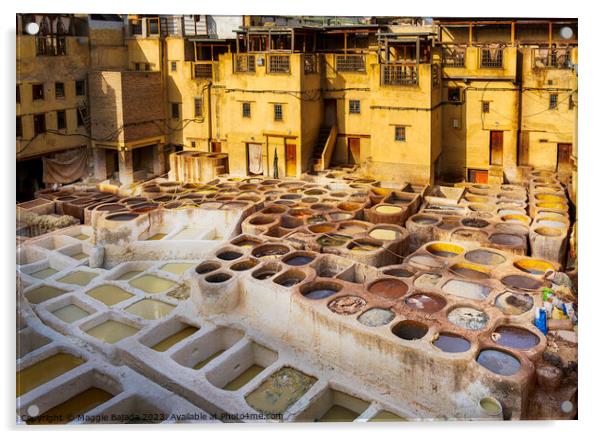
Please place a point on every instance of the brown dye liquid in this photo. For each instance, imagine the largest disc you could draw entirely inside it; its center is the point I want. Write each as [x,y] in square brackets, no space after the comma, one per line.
[151,284]
[469,273]
[484,257]
[332,240]
[45,370]
[280,391]
[244,377]
[43,274]
[43,293]
[150,309]
[452,343]
[338,413]
[521,282]
[71,313]
[506,239]
[389,288]
[410,330]
[202,363]
[73,407]
[498,362]
[176,268]
[229,255]
[112,331]
[109,294]
[386,416]
[517,338]
[398,272]
[81,278]
[425,302]
[168,342]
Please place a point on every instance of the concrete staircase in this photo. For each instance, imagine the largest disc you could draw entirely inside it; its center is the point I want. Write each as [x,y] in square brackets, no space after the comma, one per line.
[316,158]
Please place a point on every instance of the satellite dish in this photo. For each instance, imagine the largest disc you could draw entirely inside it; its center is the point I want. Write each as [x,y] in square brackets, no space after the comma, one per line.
[32,28]
[566,32]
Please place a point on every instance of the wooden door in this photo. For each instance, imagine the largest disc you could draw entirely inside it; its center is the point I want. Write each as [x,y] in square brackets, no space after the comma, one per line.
[291,159]
[330,112]
[563,163]
[496,148]
[353,150]
[216,146]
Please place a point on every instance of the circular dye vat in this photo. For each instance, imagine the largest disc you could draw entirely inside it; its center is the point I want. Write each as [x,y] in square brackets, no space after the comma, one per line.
[347,305]
[444,250]
[384,234]
[514,303]
[321,290]
[349,207]
[322,228]
[515,337]
[261,220]
[352,228]
[247,264]
[498,362]
[520,219]
[424,220]
[122,217]
[388,288]
[533,266]
[388,210]
[270,251]
[218,278]
[490,406]
[451,343]
[290,278]
[550,197]
[427,280]
[470,271]
[229,255]
[512,228]
[333,240]
[549,231]
[428,303]
[519,282]
[316,219]
[363,246]
[410,330]
[468,235]
[474,222]
[245,242]
[207,267]
[340,216]
[265,273]
[448,223]
[506,239]
[425,262]
[298,260]
[376,317]
[468,318]
[398,272]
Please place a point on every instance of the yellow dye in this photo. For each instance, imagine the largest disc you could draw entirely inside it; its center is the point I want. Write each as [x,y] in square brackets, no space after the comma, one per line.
[112,331]
[129,274]
[43,293]
[152,284]
[81,236]
[109,294]
[81,278]
[388,209]
[73,407]
[176,268]
[167,343]
[384,234]
[338,413]
[71,313]
[150,309]
[202,363]
[157,237]
[244,377]
[43,274]
[45,370]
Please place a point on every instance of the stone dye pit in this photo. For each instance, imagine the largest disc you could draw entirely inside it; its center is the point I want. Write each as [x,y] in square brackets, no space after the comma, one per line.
[330,299]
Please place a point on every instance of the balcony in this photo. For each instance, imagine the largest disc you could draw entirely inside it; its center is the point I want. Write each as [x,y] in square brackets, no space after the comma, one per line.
[310,63]
[491,58]
[51,45]
[552,58]
[399,74]
[351,63]
[454,56]
[244,63]
[279,64]
[202,70]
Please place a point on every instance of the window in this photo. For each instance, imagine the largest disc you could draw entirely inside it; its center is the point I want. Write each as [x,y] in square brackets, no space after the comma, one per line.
[175,110]
[553,101]
[137,66]
[246,109]
[193,144]
[19,127]
[198,107]
[571,102]
[354,107]
[18,94]
[400,134]
[37,91]
[61,120]
[39,124]
[59,90]
[174,66]
[80,120]
[277,111]
[147,67]
[80,88]
[485,106]
[453,94]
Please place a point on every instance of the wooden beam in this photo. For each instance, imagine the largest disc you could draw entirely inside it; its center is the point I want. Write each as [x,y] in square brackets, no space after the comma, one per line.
[470,34]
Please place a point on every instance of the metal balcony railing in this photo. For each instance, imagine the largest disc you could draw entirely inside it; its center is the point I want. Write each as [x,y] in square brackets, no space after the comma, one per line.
[454,56]
[351,63]
[202,70]
[279,64]
[392,74]
[49,45]
[244,63]
[492,58]
[552,58]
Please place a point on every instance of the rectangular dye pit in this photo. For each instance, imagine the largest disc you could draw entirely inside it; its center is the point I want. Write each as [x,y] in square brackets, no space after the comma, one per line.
[43,293]
[45,370]
[186,234]
[28,341]
[334,406]
[81,278]
[175,338]
[156,237]
[150,309]
[135,410]
[177,268]
[280,391]
[112,331]
[109,294]
[152,284]
[44,273]
[70,313]
[75,406]
[386,416]
[241,367]
[129,274]
[202,351]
